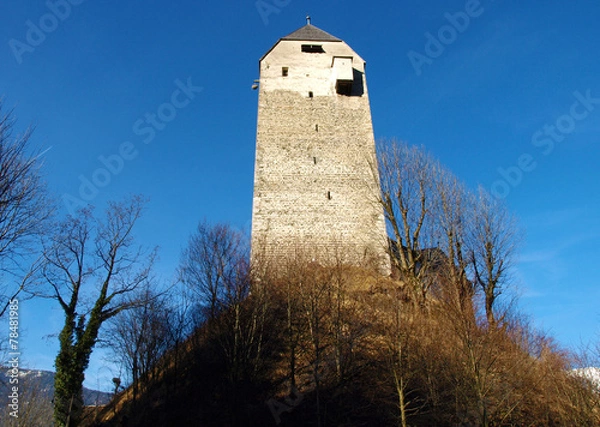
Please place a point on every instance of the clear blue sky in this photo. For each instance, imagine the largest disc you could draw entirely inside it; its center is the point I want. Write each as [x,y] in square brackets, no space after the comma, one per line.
[509,99]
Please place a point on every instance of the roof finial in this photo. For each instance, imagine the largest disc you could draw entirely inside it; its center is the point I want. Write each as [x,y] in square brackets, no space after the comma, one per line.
[307,19]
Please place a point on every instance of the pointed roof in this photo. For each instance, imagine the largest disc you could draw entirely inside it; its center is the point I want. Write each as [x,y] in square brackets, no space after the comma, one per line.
[311,33]
[308,33]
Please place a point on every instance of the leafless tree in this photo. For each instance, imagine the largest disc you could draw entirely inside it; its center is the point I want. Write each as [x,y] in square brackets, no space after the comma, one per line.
[24,208]
[397,335]
[91,266]
[34,407]
[139,337]
[445,235]
[453,215]
[324,331]
[493,241]
[214,266]
[315,291]
[408,196]
[287,281]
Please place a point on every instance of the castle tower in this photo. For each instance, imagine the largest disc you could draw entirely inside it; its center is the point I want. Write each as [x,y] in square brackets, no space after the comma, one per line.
[314,183]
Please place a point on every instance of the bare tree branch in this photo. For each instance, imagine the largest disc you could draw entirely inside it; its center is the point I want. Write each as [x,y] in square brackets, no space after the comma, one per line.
[96,260]
[24,207]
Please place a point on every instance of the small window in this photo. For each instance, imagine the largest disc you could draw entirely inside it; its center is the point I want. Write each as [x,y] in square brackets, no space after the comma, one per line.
[310,94]
[329,195]
[315,160]
[344,88]
[317,128]
[312,48]
[284,71]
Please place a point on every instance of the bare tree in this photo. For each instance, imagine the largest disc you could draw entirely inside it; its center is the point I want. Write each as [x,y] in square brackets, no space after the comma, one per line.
[24,207]
[453,206]
[315,289]
[215,266]
[212,266]
[90,266]
[294,327]
[34,408]
[444,234]
[407,196]
[398,348]
[139,337]
[493,241]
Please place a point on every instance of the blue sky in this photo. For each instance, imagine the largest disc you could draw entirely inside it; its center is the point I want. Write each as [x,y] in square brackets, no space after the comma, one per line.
[505,94]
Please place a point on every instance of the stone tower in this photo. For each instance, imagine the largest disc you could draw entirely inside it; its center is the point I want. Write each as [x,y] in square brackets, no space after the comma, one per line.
[315,177]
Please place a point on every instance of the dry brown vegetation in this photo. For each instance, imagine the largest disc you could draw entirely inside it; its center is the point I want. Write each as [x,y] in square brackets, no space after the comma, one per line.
[339,345]
[312,341]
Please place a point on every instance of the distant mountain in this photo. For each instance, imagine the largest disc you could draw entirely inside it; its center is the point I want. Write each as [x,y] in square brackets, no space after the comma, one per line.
[42,384]
[591,373]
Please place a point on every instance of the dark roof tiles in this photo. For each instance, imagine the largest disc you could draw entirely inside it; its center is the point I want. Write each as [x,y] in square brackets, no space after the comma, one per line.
[311,33]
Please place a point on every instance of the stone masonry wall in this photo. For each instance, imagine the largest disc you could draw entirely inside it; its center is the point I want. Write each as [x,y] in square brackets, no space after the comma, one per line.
[315,186]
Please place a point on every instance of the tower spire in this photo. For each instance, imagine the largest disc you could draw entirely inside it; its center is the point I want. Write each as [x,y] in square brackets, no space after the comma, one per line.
[307,19]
